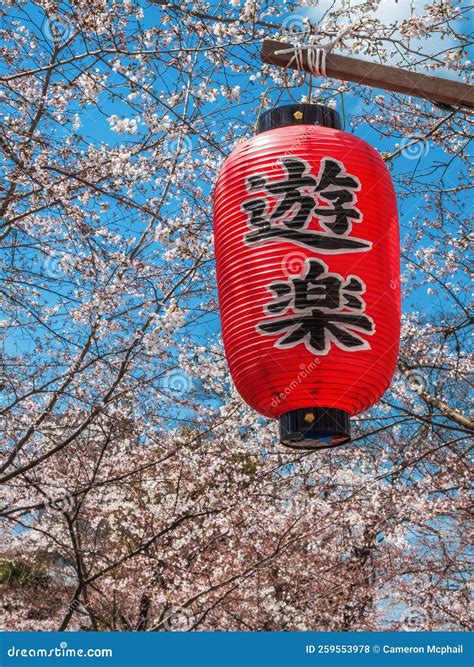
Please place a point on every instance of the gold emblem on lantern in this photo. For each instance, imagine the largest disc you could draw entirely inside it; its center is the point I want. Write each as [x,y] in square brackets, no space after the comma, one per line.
[298,115]
[309,417]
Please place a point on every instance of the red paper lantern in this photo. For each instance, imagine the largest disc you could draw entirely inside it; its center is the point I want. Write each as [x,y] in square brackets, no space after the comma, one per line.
[307,254]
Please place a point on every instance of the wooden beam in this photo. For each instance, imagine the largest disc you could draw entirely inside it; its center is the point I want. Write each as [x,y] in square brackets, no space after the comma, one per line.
[397,80]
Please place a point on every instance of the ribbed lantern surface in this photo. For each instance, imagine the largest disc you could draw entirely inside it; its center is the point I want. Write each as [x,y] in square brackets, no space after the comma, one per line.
[307,254]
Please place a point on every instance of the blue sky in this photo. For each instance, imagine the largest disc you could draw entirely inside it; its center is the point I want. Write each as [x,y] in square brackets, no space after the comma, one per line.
[242,115]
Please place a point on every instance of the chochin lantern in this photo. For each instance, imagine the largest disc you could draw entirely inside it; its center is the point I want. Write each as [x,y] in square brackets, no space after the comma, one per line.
[307,253]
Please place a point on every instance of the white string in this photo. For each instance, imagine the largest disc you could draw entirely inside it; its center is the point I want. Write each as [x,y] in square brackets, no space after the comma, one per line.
[316,54]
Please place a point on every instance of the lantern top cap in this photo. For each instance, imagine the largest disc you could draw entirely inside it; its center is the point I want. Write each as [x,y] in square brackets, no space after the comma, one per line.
[299,114]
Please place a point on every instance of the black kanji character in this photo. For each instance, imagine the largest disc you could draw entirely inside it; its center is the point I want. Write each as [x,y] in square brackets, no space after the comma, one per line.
[257,214]
[331,176]
[338,189]
[288,191]
[292,196]
[317,288]
[317,328]
[328,308]
[296,196]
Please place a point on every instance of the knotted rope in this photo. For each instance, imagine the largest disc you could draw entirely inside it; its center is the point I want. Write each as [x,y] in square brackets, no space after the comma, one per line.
[316,54]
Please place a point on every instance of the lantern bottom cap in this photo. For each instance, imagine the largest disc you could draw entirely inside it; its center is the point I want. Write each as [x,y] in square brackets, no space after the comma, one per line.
[315,428]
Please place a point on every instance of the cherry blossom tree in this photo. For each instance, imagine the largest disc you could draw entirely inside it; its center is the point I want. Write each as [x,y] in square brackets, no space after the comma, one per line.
[139,492]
